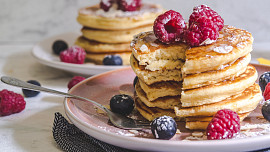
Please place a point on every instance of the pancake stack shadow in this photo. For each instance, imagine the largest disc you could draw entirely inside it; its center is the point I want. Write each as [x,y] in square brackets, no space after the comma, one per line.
[192,84]
[110,33]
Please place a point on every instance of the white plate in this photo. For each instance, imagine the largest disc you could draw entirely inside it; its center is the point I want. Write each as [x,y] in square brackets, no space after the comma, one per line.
[44,54]
[101,88]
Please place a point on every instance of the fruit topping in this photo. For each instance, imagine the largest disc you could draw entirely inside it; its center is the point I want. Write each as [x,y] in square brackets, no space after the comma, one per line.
[224,125]
[112,60]
[169,27]
[129,5]
[75,80]
[10,102]
[59,46]
[264,80]
[266,110]
[163,127]
[135,81]
[204,26]
[266,93]
[122,104]
[106,4]
[31,93]
[73,54]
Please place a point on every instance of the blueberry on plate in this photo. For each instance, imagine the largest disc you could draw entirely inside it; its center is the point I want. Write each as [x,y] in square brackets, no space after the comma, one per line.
[135,81]
[163,127]
[264,79]
[122,104]
[266,110]
[112,60]
[31,93]
[59,46]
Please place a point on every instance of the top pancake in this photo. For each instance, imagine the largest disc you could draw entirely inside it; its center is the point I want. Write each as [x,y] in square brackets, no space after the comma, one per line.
[232,44]
[94,17]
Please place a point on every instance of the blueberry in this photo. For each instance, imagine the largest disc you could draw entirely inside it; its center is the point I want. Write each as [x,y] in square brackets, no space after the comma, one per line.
[59,46]
[122,104]
[135,81]
[112,60]
[31,93]
[266,110]
[163,127]
[264,79]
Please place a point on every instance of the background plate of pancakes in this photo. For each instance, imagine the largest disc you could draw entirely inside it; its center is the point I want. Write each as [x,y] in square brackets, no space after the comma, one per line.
[102,87]
[44,54]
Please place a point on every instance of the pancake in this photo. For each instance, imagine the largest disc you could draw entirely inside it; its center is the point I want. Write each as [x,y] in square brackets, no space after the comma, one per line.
[150,77]
[94,17]
[97,47]
[240,103]
[211,77]
[98,58]
[151,113]
[147,49]
[107,36]
[167,102]
[201,123]
[219,91]
[161,89]
[232,44]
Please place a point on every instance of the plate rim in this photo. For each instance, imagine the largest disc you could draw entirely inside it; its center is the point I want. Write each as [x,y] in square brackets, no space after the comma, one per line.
[175,144]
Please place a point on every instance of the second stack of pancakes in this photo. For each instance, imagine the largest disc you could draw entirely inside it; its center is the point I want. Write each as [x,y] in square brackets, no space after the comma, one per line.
[192,84]
[110,33]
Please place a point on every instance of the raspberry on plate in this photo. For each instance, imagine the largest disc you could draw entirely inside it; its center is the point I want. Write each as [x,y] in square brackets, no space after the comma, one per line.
[75,80]
[106,4]
[204,26]
[169,27]
[10,102]
[224,125]
[74,55]
[129,5]
[266,93]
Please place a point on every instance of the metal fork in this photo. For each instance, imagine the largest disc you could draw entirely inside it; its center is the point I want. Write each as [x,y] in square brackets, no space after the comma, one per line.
[117,120]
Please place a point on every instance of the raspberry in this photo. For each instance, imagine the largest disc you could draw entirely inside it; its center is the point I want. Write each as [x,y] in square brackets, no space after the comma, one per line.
[266,93]
[129,5]
[106,4]
[224,125]
[204,26]
[73,54]
[10,102]
[74,81]
[169,27]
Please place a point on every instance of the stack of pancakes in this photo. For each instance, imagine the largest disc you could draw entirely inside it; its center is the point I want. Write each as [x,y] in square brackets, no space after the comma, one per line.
[110,33]
[192,84]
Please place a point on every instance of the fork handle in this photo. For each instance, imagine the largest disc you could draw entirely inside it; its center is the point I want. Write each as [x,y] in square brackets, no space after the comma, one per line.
[19,83]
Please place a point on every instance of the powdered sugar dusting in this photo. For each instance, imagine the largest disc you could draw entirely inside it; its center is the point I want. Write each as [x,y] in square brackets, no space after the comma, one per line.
[223,48]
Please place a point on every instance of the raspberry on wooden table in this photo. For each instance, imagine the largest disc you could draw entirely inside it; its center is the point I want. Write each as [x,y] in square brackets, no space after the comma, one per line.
[169,27]
[10,103]
[224,125]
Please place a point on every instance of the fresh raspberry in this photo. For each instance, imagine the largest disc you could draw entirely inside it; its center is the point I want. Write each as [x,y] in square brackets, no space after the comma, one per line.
[203,11]
[266,93]
[10,102]
[224,125]
[204,26]
[73,54]
[106,4]
[169,27]
[129,5]
[74,81]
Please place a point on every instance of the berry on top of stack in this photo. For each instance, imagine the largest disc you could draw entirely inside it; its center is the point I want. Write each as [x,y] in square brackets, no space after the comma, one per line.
[190,72]
[109,27]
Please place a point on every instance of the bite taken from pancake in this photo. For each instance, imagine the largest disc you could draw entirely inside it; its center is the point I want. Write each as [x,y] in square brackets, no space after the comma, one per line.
[108,28]
[194,71]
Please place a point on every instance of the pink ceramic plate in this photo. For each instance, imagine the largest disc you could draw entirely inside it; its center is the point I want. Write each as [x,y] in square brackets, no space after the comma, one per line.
[102,87]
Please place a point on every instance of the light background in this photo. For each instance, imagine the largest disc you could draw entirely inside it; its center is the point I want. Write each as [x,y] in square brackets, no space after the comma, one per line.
[30,21]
